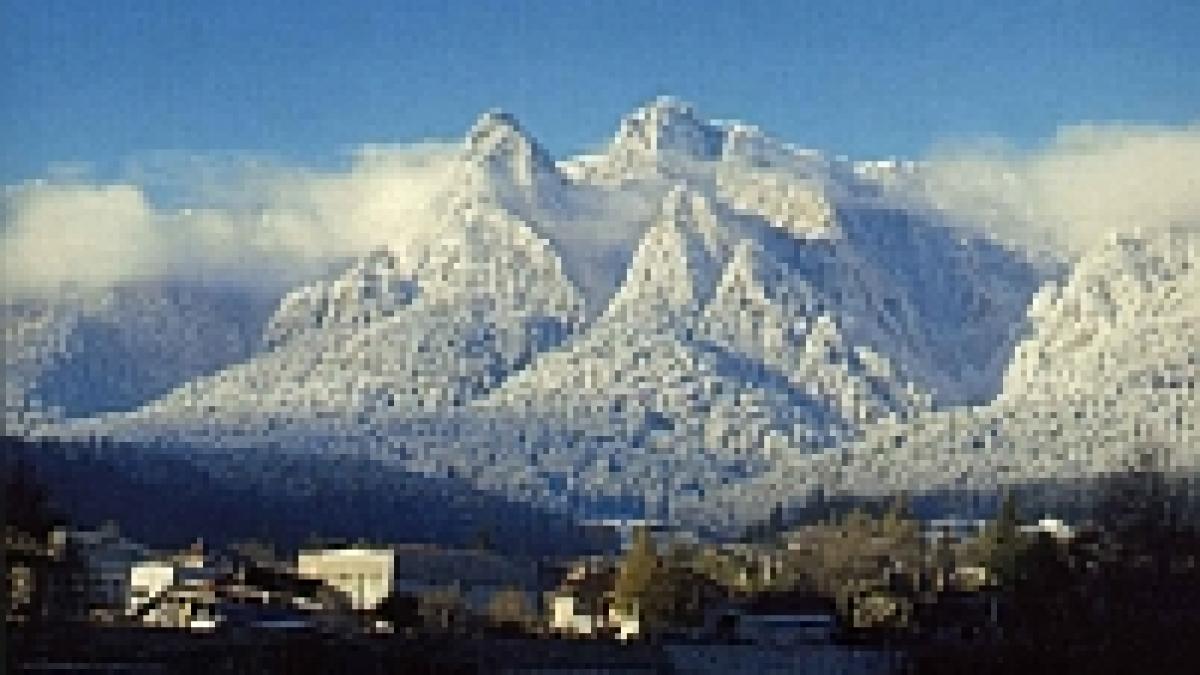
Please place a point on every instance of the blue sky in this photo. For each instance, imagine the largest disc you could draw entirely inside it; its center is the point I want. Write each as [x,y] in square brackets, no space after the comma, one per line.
[99,83]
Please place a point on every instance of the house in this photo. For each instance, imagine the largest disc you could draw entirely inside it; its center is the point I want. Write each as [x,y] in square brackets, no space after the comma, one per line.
[581,604]
[150,577]
[584,604]
[1054,527]
[187,605]
[364,575]
[449,585]
[626,625]
[148,580]
[177,591]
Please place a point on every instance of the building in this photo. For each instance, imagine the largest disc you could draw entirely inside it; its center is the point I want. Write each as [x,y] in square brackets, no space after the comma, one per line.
[189,605]
[364,575]
[580,605]
[1054,527]
[584,605]
[626,626]
[148,580]
[176,591]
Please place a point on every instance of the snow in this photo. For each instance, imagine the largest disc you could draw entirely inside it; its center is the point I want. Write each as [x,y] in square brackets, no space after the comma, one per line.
[701,320]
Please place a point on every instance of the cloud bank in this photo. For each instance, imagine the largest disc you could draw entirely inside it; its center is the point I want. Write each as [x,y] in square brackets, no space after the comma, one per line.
[244,222]
[1087,184]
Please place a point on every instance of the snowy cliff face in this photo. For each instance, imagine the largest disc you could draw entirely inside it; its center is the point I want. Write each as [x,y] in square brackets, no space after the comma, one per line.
[675,266]
[372,290]
[1109,368]
[471,309]
[1126,316]
[666,127]
[699,322]
[501,162]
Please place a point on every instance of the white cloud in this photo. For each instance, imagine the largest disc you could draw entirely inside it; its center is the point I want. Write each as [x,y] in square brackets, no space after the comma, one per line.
[85,233]
[252,221]
[1089,182]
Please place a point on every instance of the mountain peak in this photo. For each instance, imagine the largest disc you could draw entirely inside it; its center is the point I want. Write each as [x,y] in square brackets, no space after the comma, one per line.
[689,209]
[680,203]
[749,281]
[745,263]
[675,267]
[668,105]
[492,121]
[668,125]
[498,141]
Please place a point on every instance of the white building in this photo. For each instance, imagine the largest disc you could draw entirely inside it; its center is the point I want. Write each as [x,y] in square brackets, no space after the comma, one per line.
[570,613]
[148,580]
[628,626]
[578,615]
[189,605]
[583,605]
[177,591]
[364,575]
[1051,526]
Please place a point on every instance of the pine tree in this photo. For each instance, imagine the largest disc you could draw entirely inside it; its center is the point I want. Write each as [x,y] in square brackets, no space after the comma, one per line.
[1005,545]
[638,576]
[509,607]
[903,535]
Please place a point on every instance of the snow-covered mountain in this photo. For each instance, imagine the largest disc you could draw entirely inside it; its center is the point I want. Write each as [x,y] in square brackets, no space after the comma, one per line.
[87,352]
[700,322]
[1108,370]
[416,335]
